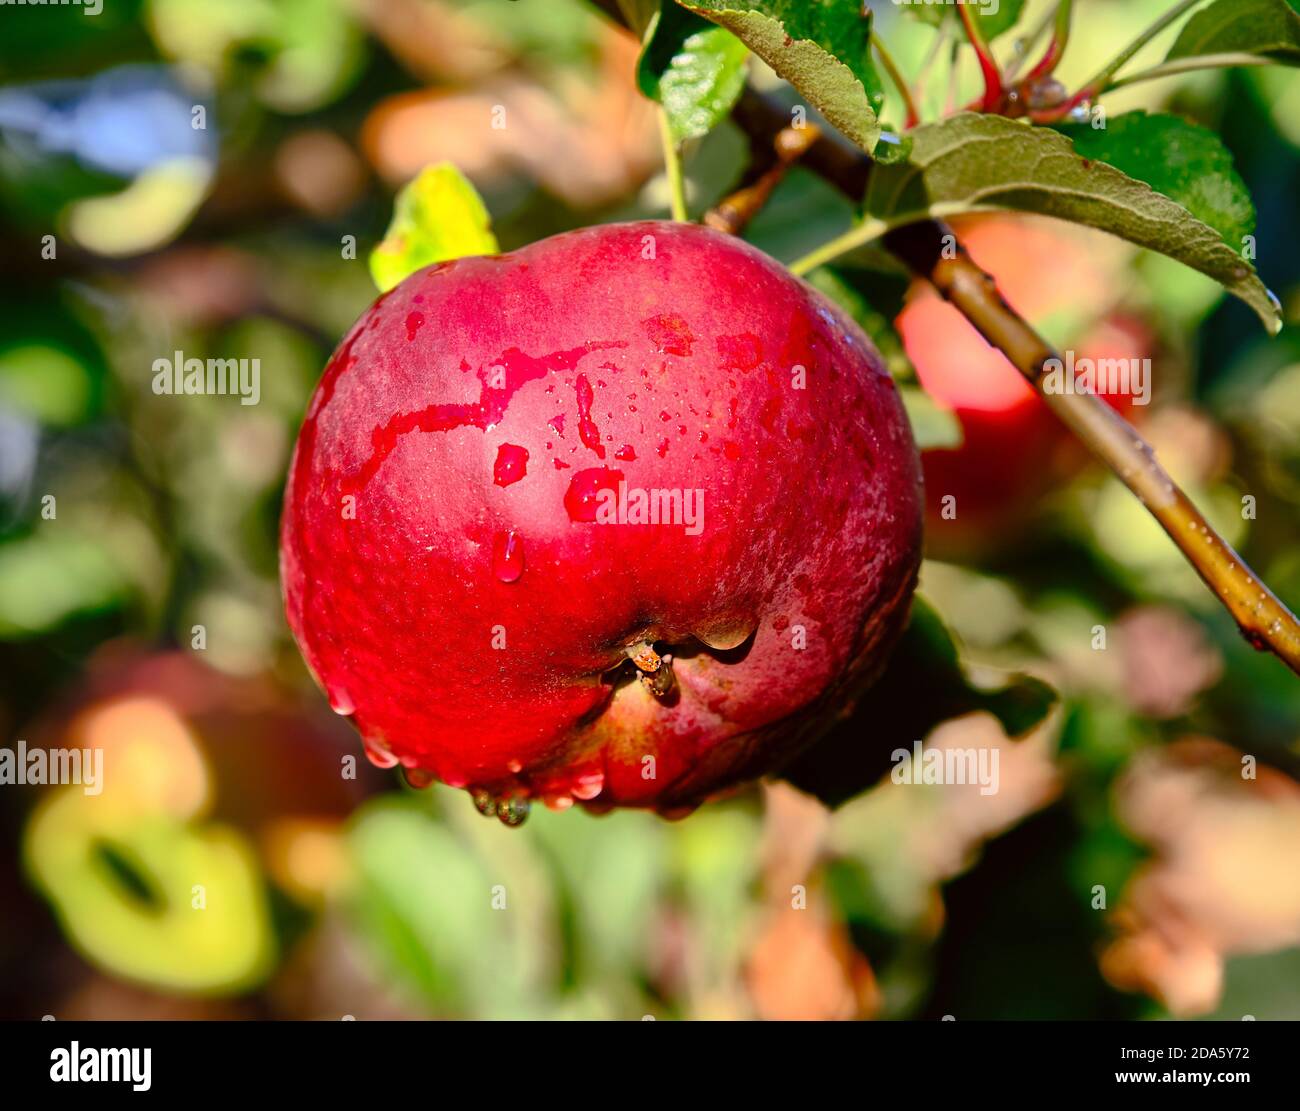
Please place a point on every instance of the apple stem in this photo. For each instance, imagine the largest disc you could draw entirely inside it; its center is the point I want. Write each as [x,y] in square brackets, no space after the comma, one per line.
[1060,37]
[1051,21]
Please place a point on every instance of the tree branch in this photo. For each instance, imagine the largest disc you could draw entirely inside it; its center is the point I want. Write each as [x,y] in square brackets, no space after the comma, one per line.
[767,169]
[1263,619]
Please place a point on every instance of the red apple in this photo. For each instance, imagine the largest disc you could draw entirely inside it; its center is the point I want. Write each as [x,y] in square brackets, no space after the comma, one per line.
[1013,448]
[450,568]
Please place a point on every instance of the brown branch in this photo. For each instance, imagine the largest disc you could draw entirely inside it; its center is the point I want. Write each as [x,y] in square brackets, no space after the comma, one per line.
[767,170]
[762,117]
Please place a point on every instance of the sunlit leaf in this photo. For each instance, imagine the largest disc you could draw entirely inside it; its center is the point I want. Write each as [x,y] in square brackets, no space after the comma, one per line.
[123,885]
[45,382]
[149,212]
[424,901]
[52,576]
[437,216]
[301,53]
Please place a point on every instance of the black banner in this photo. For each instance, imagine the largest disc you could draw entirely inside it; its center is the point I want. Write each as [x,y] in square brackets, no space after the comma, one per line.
[365,1060]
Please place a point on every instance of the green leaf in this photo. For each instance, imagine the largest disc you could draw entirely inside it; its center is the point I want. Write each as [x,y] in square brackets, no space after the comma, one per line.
[822,47]
[972,163]
[1185,162]
[923,686]
[1004,15]
[695,69]
[1268,28]
[437,216]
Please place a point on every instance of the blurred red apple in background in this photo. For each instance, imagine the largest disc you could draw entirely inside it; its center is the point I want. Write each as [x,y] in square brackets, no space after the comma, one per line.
[1014,449]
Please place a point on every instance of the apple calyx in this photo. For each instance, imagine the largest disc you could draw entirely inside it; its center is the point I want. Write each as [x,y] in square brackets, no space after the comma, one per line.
[655,671]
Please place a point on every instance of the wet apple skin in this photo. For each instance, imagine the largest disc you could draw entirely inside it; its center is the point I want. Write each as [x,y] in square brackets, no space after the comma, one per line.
[451,592]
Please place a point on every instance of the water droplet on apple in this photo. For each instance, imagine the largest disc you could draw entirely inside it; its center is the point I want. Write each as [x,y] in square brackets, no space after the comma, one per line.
[419,778]
[507,556]
[588,433]
[513,811]
[341,703]
[588,786]
[511,464]
[378,756]
[414,322]
[723,638]
[580,500]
